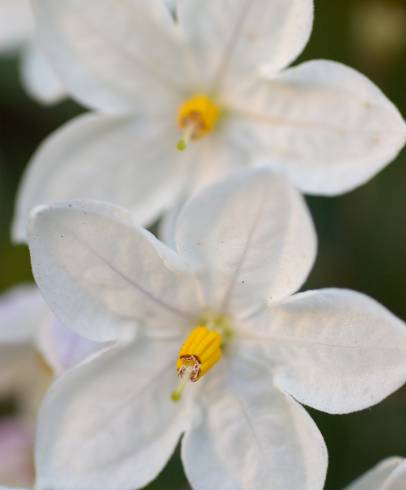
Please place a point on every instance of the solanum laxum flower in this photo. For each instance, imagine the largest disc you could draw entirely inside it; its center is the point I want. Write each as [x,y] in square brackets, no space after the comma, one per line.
[195,79]
[217,316]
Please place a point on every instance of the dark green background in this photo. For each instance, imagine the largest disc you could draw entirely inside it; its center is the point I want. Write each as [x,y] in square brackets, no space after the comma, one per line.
[362,234]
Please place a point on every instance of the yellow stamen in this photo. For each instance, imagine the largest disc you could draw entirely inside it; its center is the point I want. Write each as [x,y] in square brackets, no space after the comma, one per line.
[197,117]
[199,353]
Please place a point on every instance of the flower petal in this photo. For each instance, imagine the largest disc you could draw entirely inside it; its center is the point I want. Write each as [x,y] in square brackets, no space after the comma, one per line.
[63,348]
[384,476]
[110,423]
[335,350]
[232,39]
[253,436]
[115,56]
[130,163]
[22,313]
[16,23]
[324,125]
[39,78]
[254,236]
[100,273]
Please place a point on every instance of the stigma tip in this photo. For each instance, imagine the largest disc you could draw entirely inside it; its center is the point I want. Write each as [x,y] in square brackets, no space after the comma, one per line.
[181,145]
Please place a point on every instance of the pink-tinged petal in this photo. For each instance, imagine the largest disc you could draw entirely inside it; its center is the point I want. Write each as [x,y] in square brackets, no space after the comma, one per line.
[16,453]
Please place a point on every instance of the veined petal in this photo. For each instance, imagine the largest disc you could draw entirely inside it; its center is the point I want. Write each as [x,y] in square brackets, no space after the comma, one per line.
[22,313]
[252,436]
[39,78]
[322,124]
[115,56]
[131,163]
[110,423]
[389,474]
[16,23]
[335,350]
[100,273]
[232,39]
[253,236]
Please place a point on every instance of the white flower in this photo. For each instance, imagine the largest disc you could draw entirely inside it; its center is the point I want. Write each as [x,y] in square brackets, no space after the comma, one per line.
[389,474]
[243,248]
[17,32]
[155,81]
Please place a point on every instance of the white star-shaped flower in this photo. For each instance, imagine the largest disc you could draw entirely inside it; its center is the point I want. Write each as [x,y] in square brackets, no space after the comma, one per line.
[213,74]
[17,32]
[390,474]
[219,315]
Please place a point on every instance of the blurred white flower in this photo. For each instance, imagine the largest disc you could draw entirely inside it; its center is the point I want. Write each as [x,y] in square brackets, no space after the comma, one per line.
[390,474]
[218,311]
[16,453]
[34,347]
[155,81]
[17,32]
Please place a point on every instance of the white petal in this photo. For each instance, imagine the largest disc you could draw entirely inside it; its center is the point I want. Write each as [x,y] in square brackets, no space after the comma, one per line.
[253,437]
[232,39]
[378,477]
[100,273]
[110,423]
[115,56]
[16,23]
[324,125]
[22,313]
[130,163]
[335,350]
[254,235]
[63,348]
[39,78]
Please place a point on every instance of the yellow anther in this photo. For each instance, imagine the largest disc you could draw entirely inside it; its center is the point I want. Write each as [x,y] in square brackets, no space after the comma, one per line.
[197,117]
[199,353]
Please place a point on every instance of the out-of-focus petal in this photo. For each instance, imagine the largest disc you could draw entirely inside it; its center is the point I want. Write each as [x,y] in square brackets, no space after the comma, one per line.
[389,474]
[16,453]
[22,313]
[131,163]
[39,78]
[322,124]
[62,348]
[16,24]
[232,40]
[115,56]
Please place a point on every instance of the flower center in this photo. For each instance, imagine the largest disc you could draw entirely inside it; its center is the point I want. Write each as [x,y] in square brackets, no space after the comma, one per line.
[199,353]
[197,117]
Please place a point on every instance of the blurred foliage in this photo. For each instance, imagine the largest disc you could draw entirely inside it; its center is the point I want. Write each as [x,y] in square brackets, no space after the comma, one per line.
[362,235]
